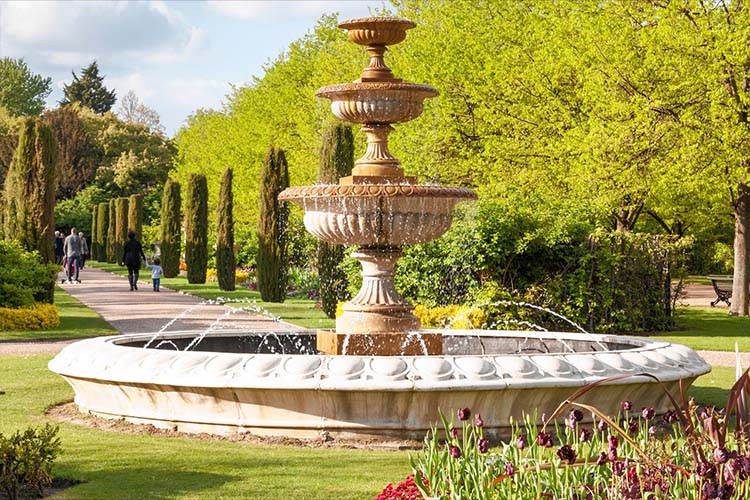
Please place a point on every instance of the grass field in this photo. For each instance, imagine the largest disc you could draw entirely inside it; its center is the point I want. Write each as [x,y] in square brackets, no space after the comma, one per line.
[710,329]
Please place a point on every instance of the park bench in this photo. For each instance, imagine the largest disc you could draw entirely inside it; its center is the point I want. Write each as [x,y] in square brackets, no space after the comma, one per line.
[723,288]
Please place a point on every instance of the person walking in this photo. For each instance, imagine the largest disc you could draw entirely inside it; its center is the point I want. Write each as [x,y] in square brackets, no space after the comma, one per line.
[59,254]
[84,250]
[72,251]
[156,272]
[131,257]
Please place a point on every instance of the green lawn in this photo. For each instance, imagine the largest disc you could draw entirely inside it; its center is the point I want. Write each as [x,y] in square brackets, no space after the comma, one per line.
[709,329]
[76,321]
[299,311]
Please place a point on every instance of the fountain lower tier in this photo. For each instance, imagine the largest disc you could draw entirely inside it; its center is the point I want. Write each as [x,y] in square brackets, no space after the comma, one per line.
[276,384]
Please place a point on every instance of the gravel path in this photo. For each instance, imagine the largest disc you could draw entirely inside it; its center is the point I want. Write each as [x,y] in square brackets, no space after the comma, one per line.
[146,311]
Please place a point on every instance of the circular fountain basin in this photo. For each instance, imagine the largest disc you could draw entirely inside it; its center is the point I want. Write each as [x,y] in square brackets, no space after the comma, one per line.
[276,384]
[377,214]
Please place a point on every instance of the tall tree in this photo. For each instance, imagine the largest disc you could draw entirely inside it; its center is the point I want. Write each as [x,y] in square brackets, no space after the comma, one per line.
[89,90]
[132,110]
[102,229]
[225,261]
[93,243]
[135,215]
[196,228]
[272,258]
[29,190]
[22,92]
[112,256]
[336,161]
[171,224]
[121,226]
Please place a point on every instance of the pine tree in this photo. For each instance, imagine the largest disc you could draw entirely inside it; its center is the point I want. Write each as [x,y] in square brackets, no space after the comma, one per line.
[89,90]
[29,196]
[171,229]
[135,215]
[101,231]
[94,231]
[225,262]
[112,234]
[272,272]
[121,226]
[30,190]
[196,228]
[336,161]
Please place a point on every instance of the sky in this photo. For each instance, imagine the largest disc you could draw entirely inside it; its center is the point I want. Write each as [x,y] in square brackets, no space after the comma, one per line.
[177,56]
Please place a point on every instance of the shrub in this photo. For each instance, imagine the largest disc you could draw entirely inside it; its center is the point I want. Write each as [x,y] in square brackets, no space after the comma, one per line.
[23,279]
[272,256]
[26,460]
[170,229]
[112,234]
[135,215]
[36,317]
[225,261]
[453,316]
[196,228]
[93,243]
[102,228]
[121,225]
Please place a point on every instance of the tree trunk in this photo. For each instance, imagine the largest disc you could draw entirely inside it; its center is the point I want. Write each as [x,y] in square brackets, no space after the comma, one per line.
[741,246]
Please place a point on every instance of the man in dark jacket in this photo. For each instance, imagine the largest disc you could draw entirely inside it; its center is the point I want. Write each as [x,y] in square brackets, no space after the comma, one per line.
[131,257]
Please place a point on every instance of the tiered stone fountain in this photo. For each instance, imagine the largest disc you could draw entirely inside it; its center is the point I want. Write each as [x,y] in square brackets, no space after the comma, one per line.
[377,207]
[393,379]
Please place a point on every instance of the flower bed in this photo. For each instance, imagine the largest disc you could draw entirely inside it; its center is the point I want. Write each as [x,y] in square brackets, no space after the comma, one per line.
[36,317]
[690,453]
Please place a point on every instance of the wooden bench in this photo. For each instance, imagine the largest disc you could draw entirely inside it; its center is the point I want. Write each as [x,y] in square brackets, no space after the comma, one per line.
[723,288]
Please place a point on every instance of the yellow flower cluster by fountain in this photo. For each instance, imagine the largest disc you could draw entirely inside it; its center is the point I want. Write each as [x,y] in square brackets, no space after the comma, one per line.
[37,317]
[240,277]
[454,316]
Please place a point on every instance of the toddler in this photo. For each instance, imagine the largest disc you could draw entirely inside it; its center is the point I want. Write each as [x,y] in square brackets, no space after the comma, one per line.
[156,272]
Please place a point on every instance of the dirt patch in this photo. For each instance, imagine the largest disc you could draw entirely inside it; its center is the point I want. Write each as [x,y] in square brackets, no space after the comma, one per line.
[68,413]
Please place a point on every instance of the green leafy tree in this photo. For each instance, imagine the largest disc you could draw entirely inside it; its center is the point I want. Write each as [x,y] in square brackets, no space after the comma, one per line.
[89,90]
[225,261]
[112,256]
[29,190]
[135,215]
[22,92]
[272,265]
[196,228]
[336,161]
[121,226]
[101,231]
[171,229]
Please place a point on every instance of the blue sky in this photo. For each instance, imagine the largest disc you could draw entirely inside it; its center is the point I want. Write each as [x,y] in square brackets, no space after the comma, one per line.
[177,56]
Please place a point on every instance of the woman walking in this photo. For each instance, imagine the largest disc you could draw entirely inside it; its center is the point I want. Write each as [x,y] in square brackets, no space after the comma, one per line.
[131,257]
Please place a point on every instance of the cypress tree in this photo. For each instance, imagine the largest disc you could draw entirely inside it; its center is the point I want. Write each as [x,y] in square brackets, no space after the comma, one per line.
[94,231]
[102,226]
[121,226]
[170,229]
[336,161]
[272,272]
[112,234]
[196,228]
[225,263]
[30,190]
[135,215]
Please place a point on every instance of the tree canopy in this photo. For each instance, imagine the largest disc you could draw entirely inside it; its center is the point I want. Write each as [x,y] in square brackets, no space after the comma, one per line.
[89,90]
[22,93]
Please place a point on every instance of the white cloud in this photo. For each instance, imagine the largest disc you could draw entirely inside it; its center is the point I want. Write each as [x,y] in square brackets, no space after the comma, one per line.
[278,10]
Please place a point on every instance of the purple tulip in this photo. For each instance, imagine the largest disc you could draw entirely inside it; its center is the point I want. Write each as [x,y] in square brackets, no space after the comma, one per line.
[544,439]
[633,426]
[585,435]
[464,414]
[483,445]
[602,426]
[567,454]
[721,455]
[626,405]
[453,432]
[726,491]
[706,470]
[454,451]
[618,468]
[709,490]
[602,459]
[521,442]
[478,420]
[648,413]
[670,417]
[509,469]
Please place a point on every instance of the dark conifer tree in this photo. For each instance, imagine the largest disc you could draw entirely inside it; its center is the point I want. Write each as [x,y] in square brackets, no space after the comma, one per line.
[196,228]
[102,228]
[94,231]
[112,256]
[272,265]
[225,261]
[135,215]
[171,226]
[121,226]
[89,90]
[336,161]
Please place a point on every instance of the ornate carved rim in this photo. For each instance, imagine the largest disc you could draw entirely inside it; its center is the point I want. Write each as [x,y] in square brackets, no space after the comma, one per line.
[418,91]
[376,191]
[376,22]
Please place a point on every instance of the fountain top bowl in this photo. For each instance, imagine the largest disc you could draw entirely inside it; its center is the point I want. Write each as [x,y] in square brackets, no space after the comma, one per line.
[377,30]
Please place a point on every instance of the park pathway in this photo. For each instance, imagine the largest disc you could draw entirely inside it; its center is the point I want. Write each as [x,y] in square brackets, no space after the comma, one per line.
[146,311]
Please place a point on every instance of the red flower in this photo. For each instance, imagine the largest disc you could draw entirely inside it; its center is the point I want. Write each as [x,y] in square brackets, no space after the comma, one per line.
[648,413]
[454,451]
[483,445]
[478,420]
[464,414]
[544,439]
[626,405]
[567,454]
